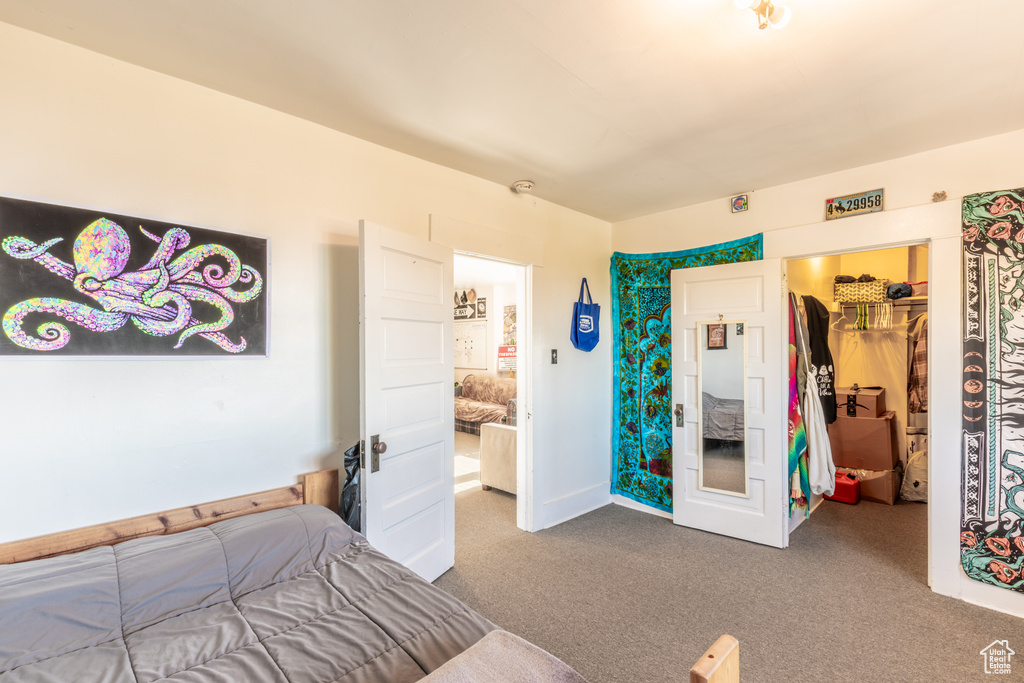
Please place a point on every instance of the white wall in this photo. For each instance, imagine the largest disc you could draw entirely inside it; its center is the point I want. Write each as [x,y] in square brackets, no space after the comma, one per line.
[498,296]
[721,370]
[504,295]
[87,441]
[791,218]
[489,354]
[963,169]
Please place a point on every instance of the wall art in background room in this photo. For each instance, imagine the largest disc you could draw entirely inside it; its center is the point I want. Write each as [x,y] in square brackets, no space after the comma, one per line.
[992,533]
[642,364]
[82,282]
[468,306]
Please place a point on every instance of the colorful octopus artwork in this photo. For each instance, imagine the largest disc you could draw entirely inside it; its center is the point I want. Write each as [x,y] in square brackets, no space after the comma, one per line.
[157,297]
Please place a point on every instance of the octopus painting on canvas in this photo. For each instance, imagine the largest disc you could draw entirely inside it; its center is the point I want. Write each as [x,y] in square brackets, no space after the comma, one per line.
[73,279]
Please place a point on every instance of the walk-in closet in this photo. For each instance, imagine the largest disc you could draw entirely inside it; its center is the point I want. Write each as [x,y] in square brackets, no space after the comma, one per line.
[879,354]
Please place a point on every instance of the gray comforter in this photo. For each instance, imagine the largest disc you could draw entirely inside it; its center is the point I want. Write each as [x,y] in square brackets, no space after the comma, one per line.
[290,595]
[723,417]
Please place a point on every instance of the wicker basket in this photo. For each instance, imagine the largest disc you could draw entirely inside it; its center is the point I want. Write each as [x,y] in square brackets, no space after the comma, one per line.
[861,292]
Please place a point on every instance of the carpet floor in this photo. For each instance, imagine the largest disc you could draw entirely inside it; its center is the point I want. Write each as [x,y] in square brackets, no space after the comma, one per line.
[624,596]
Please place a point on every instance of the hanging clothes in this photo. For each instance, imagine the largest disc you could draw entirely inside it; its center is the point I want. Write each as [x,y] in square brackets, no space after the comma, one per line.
[799,487]
[803,346]
[917,382]
[821,470]
[822,368]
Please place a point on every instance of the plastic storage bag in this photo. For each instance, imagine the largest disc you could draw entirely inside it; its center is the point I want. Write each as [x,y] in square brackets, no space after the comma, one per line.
[915,483]
[351,506]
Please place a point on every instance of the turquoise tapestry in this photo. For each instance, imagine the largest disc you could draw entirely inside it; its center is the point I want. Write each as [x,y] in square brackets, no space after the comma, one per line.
[642,403]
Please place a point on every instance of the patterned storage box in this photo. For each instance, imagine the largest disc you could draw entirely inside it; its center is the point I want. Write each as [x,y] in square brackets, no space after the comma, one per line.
[861,292]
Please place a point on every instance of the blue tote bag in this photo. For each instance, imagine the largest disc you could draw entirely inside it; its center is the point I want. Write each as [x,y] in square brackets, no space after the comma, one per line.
[585,319]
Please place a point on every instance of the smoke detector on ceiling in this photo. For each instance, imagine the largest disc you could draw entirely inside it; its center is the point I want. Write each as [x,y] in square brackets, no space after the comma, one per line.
[523,186]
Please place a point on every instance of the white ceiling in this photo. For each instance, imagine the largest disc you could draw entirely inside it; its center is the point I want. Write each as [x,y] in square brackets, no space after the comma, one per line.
[616,108]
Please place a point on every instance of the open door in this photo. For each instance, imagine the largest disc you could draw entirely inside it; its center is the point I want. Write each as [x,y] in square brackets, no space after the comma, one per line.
[747,299]
[406,412]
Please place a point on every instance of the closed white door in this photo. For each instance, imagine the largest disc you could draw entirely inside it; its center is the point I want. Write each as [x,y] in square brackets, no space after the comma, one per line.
[750,294]
[407,379]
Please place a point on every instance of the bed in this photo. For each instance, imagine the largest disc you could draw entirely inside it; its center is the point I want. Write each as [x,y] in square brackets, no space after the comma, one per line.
[271,587]
[723,417]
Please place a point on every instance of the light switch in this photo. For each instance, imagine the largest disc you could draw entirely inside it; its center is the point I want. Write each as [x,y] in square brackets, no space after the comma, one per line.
[554,356]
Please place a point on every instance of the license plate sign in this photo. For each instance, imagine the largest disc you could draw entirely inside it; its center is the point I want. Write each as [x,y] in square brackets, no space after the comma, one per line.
[854,204]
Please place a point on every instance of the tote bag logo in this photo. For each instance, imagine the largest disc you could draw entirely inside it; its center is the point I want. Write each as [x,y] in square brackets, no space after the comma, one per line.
[586,323]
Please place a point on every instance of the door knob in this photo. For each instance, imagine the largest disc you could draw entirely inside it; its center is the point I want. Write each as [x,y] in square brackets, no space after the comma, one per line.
[377,448]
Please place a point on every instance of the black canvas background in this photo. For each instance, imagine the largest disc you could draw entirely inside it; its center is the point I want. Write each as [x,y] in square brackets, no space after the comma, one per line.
[22,279]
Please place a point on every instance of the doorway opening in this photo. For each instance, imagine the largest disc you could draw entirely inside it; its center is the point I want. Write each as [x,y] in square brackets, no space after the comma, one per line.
[489,302]
[878,429]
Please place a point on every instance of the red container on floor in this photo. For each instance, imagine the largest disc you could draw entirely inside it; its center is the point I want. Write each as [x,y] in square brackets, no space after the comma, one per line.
[847,489]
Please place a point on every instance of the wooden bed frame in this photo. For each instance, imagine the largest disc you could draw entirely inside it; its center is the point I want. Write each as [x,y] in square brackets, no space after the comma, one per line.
[320,488]
[720,664]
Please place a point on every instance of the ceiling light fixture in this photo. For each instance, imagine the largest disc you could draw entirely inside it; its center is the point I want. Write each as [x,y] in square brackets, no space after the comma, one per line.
[768,13]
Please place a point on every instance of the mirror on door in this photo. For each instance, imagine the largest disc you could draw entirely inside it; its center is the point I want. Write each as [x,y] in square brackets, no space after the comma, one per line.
[722,372]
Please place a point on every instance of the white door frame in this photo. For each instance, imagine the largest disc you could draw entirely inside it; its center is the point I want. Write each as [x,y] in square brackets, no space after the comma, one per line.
[875,247]
[938,225]
[524,387]
[516,250]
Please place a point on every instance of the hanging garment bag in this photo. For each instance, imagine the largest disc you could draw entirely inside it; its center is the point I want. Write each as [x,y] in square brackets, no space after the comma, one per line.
[585,318]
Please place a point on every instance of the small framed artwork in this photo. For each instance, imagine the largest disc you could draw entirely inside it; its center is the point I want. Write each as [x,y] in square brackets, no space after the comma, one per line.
[716,336]
[739,329]
[739,203]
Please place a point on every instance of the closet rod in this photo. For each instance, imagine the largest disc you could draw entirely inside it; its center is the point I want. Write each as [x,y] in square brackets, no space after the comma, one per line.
[905,302]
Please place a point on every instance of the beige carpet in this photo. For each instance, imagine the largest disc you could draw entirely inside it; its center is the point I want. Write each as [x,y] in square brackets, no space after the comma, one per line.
[623,596]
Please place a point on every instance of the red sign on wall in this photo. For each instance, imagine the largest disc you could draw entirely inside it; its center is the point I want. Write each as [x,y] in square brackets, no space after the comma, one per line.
[506,357]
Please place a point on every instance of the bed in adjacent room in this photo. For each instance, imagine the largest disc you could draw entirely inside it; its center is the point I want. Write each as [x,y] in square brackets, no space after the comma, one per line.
[723,417]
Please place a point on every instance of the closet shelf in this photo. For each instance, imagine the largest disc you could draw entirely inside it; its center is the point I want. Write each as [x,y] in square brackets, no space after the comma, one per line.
[905,302]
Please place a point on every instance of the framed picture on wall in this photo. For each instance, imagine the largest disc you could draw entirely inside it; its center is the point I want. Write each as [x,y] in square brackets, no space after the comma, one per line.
[85,282]
[716,336]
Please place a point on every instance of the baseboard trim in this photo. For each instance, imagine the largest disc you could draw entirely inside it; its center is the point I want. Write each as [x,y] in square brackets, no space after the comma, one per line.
[580,503]
[633,505]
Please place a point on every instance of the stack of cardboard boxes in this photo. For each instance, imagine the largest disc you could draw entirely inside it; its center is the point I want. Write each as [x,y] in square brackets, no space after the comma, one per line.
[863,440]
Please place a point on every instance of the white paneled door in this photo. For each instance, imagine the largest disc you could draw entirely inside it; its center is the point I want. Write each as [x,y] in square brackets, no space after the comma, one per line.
[406,380]
[750,292]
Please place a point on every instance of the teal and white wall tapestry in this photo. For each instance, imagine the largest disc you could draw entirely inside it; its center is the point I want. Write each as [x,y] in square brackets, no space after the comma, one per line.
[642,357]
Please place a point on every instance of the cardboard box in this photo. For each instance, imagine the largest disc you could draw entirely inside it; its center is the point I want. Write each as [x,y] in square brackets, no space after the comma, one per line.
[880,487]
[867,402]
[864,443]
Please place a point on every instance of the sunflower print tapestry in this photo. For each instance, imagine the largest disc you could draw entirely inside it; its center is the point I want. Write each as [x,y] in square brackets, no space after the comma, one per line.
[642,402]
[992,519]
